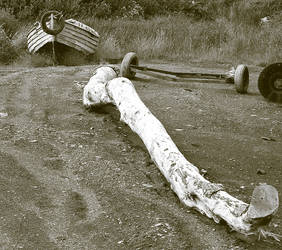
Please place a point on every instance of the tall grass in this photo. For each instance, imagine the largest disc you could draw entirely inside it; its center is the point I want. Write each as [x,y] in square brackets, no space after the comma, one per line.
[230,32]
[180,38]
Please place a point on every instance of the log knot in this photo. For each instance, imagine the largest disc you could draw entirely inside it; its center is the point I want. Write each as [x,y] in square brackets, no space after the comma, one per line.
[209,189]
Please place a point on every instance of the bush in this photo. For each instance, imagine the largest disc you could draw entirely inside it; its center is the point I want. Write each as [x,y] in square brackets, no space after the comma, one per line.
[7,51]
[221,30]
[8,23]
[181,38]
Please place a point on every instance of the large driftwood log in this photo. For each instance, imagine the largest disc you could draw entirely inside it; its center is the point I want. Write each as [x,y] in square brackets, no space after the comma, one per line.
[186,181]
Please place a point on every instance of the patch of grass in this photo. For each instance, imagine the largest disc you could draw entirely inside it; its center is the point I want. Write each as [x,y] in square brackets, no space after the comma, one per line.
[19,39]
[109,48]
[8,23]
[181,38]
[232,34]
[36,60]
[7,51]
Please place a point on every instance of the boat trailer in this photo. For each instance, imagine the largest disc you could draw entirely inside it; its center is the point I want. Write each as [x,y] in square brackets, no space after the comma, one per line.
[239,76]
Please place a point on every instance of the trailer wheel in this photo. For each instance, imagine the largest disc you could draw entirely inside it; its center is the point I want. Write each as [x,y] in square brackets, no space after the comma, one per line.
[53,16]
[129,59]
[241,79]
[270,82]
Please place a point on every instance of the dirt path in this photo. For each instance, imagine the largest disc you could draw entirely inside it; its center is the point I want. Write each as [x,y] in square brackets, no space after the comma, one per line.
[70,179]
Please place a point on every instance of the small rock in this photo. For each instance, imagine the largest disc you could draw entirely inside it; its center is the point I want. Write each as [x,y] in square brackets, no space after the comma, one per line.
[147,185]
[186,89]
[242,187]
[179,129]
[158,224]
[3,115]
[150,162]
[203,171]
[33,141]
[195,145]
[120,242]
[267,138]
[261,172]
[191,126]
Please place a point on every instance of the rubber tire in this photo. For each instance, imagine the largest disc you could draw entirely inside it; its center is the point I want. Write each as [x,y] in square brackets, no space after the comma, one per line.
[266,82]
[129,59]
[61,22]
[241,79]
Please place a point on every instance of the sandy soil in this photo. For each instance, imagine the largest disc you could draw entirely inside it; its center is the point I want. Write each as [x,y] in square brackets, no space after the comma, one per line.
[73,179]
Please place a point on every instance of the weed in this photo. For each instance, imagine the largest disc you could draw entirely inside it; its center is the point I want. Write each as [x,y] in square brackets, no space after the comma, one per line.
[7,51]
[179,37]
[214,30]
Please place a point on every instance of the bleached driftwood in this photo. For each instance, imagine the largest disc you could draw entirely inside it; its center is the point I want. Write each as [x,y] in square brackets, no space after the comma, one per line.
[186,181]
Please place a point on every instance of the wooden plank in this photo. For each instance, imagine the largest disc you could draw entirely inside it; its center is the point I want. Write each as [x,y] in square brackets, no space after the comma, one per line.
[79,36]
[34,29]
[77,40]
[40,43]
[82,26]
[82,32]
[75,44]
[38,37]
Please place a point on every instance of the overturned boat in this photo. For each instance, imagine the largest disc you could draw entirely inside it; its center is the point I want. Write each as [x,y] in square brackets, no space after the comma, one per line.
[55,33]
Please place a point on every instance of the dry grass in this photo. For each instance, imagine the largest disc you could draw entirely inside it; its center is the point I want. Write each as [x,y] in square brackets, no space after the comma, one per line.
[180,38]
[235,36]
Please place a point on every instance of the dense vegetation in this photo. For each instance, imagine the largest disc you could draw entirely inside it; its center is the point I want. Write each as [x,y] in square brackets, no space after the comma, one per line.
[221,30]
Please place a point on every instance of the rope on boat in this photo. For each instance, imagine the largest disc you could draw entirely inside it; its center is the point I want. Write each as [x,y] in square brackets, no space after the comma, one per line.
[54,53]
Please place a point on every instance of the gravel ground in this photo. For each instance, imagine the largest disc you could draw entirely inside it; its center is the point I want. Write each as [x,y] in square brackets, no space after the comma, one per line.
[73,179]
